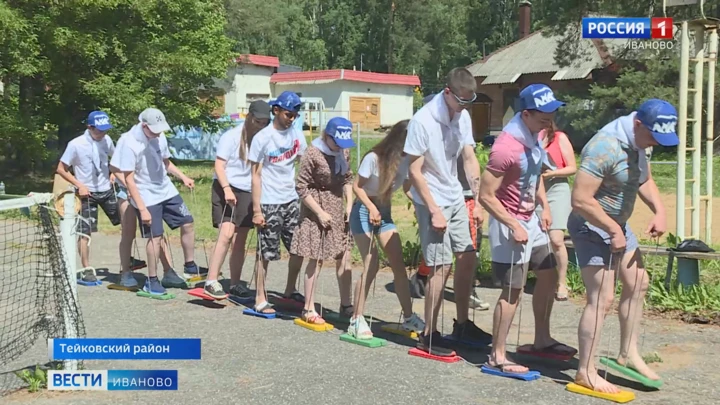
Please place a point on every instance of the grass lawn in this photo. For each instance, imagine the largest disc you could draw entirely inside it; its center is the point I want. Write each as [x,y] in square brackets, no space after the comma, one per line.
[702,300]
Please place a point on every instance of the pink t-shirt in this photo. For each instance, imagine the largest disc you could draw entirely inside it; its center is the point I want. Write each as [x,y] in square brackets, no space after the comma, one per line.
[519,184]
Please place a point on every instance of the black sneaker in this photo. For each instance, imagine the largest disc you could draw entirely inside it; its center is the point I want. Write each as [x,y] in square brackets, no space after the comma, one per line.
[417,285]
[469,332]
[136,264]
[241,291]
[89,277]
[440,346]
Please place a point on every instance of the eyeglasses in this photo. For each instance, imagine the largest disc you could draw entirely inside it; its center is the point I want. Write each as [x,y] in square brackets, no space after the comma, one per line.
[461,100]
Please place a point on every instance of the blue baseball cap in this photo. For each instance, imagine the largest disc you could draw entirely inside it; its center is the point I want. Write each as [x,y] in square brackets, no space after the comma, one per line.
[287,101]
[539,97]
[660,117]
[99,120]
[340,129]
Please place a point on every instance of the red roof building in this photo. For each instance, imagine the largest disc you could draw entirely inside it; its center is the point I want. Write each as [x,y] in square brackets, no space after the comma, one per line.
[371,99]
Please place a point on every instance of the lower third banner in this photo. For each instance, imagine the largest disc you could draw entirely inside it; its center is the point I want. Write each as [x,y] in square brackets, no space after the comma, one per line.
[113,380]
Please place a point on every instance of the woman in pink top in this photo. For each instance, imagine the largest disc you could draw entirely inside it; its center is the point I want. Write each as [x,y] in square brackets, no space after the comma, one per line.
[562,156]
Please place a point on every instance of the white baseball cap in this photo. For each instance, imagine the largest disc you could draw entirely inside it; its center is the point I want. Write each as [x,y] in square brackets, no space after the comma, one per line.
[155,120]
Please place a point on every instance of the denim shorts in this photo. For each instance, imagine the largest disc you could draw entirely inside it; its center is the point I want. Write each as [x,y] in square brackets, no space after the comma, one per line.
[592,244]
[360,219]
[172,211]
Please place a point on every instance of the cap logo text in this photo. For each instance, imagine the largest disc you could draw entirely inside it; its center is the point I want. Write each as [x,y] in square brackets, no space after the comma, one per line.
[665,127]
[102,121]
[343,134]
[546,98]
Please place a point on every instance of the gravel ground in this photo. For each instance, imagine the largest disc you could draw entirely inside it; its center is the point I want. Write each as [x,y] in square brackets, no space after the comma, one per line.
[257,361]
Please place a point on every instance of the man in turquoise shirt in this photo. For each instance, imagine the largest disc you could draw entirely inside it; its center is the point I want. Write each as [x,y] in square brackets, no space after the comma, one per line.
[613,172]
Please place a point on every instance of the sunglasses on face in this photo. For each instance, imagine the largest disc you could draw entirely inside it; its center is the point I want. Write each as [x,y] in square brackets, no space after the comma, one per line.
[461,100]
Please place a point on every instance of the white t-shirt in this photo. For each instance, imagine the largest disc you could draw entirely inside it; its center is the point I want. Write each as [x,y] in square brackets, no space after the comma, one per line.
[370,170]
[440,141]
[237,171]
[277,151]
[146,157]
[79,155]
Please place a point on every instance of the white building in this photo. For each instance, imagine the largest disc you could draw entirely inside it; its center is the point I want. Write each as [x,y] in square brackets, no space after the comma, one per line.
[247,81]
[371,99]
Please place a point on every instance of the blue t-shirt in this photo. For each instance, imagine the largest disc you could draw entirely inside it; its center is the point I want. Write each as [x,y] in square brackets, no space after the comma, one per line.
[617,165]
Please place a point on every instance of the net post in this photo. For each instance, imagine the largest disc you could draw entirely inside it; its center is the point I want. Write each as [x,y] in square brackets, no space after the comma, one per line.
[69,243]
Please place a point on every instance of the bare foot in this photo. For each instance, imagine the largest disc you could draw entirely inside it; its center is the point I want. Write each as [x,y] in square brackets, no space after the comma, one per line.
[562,293]
[636,363]
[596,383]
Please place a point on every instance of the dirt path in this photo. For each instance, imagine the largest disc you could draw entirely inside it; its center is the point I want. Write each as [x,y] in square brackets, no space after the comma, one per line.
[257,361]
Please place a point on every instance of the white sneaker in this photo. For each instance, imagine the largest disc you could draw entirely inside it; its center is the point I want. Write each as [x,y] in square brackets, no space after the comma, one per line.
[477,303]
[359,329]
[127,279]
[414,324]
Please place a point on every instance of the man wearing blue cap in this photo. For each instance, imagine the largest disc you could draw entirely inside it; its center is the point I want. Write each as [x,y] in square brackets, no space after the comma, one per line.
[88,156]
[613,172]
[518,238]
[273,153]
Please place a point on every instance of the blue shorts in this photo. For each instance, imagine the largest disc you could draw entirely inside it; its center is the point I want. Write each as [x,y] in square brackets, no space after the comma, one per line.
[173,211]
[592,244]
[360,219]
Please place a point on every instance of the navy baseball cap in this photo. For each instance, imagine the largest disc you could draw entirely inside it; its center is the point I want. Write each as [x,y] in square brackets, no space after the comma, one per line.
[99,120]
[539,97]
[287,101]
[340,129]
[660,117]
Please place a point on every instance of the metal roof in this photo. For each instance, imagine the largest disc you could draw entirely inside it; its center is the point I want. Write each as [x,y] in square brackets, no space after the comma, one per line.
[258,60]
[345,74]
[536,54]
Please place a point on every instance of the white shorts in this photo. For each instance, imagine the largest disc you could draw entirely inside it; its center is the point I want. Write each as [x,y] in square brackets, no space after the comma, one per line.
[503,248]
[512,261]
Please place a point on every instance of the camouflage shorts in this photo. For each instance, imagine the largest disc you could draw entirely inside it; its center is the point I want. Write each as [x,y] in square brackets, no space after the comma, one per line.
[280,223]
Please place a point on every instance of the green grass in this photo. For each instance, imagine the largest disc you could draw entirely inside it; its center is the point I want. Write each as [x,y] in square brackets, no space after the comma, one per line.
[703,300]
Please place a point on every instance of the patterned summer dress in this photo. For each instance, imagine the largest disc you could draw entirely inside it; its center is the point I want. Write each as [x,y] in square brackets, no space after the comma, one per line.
[316,177]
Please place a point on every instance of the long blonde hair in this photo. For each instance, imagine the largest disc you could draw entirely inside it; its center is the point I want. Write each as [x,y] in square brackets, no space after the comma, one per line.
[389,154]
[244,141]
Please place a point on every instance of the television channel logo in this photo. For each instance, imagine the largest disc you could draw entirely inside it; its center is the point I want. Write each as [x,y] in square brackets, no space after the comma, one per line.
[627,28]
[112,380]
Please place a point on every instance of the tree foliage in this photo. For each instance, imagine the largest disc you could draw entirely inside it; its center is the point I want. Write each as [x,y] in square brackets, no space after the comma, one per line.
[59,60]
[424,37]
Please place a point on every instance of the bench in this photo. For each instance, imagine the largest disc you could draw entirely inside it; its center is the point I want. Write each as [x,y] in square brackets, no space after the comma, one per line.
[688,263]
[688,273]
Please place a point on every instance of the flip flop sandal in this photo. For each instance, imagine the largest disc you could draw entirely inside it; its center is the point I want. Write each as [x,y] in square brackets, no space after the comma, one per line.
[312,317]
[296,296]
[550,351]
[346,311]
[501,368]
[262,308]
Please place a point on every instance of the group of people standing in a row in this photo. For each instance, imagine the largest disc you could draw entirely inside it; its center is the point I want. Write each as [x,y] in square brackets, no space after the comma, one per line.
[319,213]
